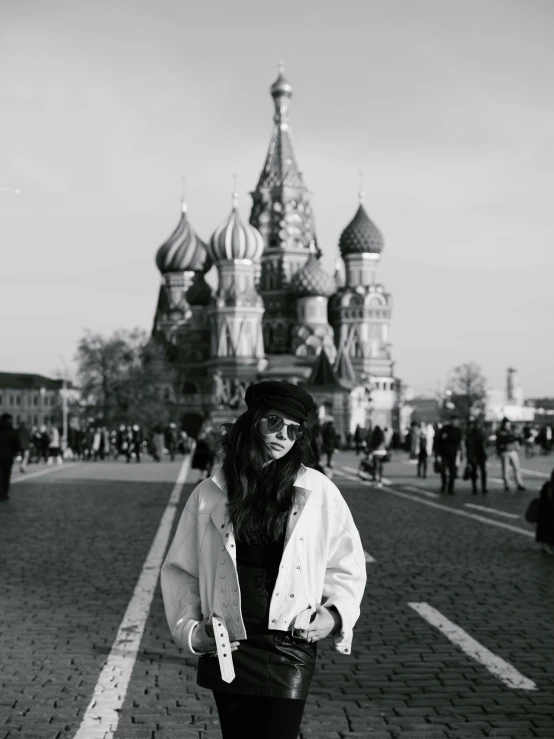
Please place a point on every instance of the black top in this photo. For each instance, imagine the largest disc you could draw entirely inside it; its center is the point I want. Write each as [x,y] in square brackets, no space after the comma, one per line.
[266,555]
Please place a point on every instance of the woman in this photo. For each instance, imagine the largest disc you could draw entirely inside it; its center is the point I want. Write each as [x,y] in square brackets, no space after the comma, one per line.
[379,452]
[267,545]
[544,534]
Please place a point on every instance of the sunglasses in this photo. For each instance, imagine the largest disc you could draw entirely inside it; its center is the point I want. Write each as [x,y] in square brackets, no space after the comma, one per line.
[273,424]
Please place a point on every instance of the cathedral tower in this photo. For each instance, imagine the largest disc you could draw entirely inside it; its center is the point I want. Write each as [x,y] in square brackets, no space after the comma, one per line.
[360,312]
[236,310]
[282,213]
[181,256]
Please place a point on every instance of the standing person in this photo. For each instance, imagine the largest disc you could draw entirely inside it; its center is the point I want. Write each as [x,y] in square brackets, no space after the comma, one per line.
[44,443]
[9,449]
[171,440]
[413,441]
[507,448]
[24,444]
[54,447]
[379,452]
[449,449]
[544,533]
[359,438]
[329,440]
[476,454]
[202,459]
[137,441]
[422,453]
[269,546]
[158,442]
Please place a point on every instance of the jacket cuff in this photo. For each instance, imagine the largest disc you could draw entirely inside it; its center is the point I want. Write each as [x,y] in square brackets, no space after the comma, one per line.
[342,640]
[183,634]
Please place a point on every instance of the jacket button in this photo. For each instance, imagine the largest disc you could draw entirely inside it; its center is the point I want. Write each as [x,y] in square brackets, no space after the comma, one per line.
[298,567]
[222,561]
[294,514]
[273,620]
[301,538]
[232,545]
[223,589]
[235,602]
[226,534]
[292,595]
[225,604]
[276,593]
[222,525]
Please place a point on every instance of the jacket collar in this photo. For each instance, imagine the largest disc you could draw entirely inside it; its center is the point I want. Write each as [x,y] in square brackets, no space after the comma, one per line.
[219,514]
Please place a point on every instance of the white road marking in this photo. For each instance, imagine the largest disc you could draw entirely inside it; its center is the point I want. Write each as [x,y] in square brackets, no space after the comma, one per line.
[368,557]
[423,492]
[345,474]
[494,664]
[492,510]
[458,512]
[53,468]
[102,715]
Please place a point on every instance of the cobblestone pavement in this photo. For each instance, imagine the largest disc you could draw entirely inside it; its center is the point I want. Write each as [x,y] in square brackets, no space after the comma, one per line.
[73,542]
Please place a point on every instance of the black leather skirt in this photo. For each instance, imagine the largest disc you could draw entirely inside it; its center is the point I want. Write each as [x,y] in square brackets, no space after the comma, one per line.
[267,663]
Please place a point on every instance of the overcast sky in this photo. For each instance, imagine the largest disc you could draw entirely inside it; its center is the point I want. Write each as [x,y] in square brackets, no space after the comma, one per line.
[447,107]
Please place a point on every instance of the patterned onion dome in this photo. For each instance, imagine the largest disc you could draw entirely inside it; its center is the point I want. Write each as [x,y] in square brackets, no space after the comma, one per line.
[311,281]
[281,86]
[199,293]
[235,240]
[361,236]
[183,250]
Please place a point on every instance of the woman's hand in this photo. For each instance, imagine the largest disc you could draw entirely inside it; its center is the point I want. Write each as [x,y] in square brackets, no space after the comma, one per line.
[325,622]
[203,640]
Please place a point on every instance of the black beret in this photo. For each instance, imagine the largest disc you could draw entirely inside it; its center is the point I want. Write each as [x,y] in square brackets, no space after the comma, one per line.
[284,396]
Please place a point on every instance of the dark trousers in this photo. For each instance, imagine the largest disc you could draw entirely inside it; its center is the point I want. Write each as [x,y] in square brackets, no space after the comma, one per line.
[422,464]
[5,475]
[258,717]
[448,472]
[481,466]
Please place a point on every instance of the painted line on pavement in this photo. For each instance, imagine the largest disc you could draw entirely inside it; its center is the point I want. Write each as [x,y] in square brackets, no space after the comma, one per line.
[58,467]
[457,511]
[345,474]
[423,492]
[494,664]
[492,510]
[102,715]
[368,557]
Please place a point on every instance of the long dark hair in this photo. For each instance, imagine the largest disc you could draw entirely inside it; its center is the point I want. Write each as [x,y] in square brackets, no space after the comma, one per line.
[260,494]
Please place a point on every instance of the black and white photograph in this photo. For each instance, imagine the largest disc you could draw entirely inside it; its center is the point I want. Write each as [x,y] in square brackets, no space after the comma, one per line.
[276,371]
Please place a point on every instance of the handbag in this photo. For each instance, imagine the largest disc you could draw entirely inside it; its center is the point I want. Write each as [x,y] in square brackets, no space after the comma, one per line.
[532,512]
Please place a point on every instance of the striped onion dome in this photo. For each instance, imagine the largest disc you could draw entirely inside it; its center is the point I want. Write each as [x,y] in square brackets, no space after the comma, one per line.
[361,236]
[235,240]
[199,293]
[311,281]
[183,250]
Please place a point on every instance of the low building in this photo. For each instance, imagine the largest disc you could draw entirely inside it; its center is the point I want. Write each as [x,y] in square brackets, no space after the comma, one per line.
[33,399]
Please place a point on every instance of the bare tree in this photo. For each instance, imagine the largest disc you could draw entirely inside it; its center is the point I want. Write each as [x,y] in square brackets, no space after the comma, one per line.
[468,388]
[120,377]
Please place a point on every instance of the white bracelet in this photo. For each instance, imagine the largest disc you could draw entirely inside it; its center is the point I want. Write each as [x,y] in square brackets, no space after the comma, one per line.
[189,640]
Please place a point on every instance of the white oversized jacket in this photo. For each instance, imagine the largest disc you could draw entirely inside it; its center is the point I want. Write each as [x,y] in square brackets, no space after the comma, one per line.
[323,562]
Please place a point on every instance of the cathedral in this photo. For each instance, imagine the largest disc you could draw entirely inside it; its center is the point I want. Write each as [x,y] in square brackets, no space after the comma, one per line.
[276,314]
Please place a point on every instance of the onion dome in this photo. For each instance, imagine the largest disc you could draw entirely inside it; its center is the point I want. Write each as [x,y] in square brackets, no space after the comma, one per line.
[311,281]
[281,87]
[183,251]
[361,236]
[199,293]
[235,240]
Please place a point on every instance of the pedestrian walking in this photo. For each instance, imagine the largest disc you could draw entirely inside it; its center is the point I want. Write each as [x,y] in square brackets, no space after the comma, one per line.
[422,453]
[476,455]
[10,447]
[171,440]
[544,533]
[329,440]
[24,444]
[507,444]
[359,439]
[449,450]
[378,452]
[269,548]
[203,457]
[158,442]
